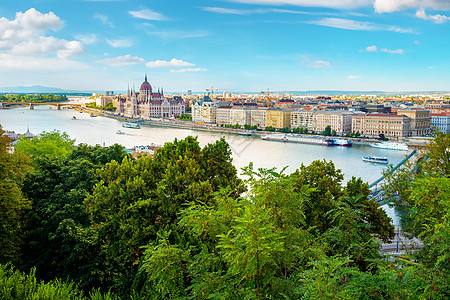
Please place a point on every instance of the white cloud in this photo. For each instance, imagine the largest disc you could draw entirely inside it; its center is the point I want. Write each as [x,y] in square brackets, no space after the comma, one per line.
[380,6]
[316,64]
[86,39]
[397,51]
[104,19]
[358,25]
[221,10]
[177,34]
[71,49]
[148,14]
[437,19]
[8,61]
[23,39]
[35,21]
[388,6]
[120,43]
[310,3]
[354,77]
[188,70]
[172,63]
[124,60]
[372,48]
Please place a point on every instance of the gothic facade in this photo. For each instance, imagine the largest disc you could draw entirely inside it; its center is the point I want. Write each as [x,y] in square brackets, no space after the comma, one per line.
[148,104]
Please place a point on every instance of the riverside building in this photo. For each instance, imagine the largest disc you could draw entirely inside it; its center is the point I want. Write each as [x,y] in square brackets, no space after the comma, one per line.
[441,122]
[149,104]
[373,125]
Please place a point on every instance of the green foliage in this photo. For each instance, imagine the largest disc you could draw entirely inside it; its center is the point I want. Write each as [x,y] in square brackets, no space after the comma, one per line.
[437,154]
[270,128]
[185,117]
[250,127]
[49,145]
[108,107]
[32,98]
[59,240]
[17,285]
[13,168]
[136,199]
[327,131]
[181,224]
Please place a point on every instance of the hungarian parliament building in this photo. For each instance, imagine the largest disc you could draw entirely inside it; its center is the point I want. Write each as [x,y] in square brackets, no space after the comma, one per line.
[148,104]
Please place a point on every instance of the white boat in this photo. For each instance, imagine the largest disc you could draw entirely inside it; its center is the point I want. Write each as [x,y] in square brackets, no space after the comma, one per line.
[390,145]
[294,138]
[245,133]
[120,132]
[342,142]
[376,159]
[131,125]
[93,116]
[74,118]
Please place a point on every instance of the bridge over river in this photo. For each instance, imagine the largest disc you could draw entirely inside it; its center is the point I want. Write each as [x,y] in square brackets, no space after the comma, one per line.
[32,105]
[400,243]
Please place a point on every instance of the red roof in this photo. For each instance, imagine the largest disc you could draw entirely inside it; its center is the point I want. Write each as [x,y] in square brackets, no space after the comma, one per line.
[386,115]
[443,114]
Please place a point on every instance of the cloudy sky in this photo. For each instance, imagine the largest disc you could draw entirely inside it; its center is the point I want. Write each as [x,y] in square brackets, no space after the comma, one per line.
[242,45]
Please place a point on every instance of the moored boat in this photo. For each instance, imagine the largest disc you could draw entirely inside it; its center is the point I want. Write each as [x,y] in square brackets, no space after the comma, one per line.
[131,125]
[120,132]
[342,142]
[376,159]
[93,116]
[293,138]
[245,133]
[74,118]
[390,145]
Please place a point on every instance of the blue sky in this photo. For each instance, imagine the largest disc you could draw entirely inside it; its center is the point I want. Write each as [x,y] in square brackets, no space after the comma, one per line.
[241,45]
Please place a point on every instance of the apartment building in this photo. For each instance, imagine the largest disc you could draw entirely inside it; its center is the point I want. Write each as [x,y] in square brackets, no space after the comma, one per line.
[340,121]
[240,115]
[441,122]
[258,117]
[278,118]
[205,111]
[373,125]
[303,118]
[420,120]
[223,115]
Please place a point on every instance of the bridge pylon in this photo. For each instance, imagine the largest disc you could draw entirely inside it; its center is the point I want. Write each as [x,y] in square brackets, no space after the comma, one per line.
[31,106]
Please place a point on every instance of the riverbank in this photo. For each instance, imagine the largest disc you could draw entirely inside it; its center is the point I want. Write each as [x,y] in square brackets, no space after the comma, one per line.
[203,127]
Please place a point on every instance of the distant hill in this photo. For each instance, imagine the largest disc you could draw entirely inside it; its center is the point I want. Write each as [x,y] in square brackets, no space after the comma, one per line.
[39,89]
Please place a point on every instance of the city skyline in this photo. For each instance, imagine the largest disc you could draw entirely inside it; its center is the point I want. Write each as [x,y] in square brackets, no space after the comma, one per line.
[235,45]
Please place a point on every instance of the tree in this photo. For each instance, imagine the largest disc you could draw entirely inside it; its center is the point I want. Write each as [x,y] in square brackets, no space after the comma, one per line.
[59,239]
[327,131]
[136,199]
[52,144]
[13,204]
[326,182]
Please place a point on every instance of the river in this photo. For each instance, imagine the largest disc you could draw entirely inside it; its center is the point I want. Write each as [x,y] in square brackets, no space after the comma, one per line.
[263,154]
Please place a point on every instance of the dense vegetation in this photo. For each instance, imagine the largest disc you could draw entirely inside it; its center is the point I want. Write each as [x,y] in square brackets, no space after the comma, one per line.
[183,225]
[108,107]
[185,117]
[27,98]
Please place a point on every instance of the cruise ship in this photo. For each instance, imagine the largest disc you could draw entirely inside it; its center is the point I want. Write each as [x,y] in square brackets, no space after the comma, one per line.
[342,142]
[131,125]
[390,145]
[293,138]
